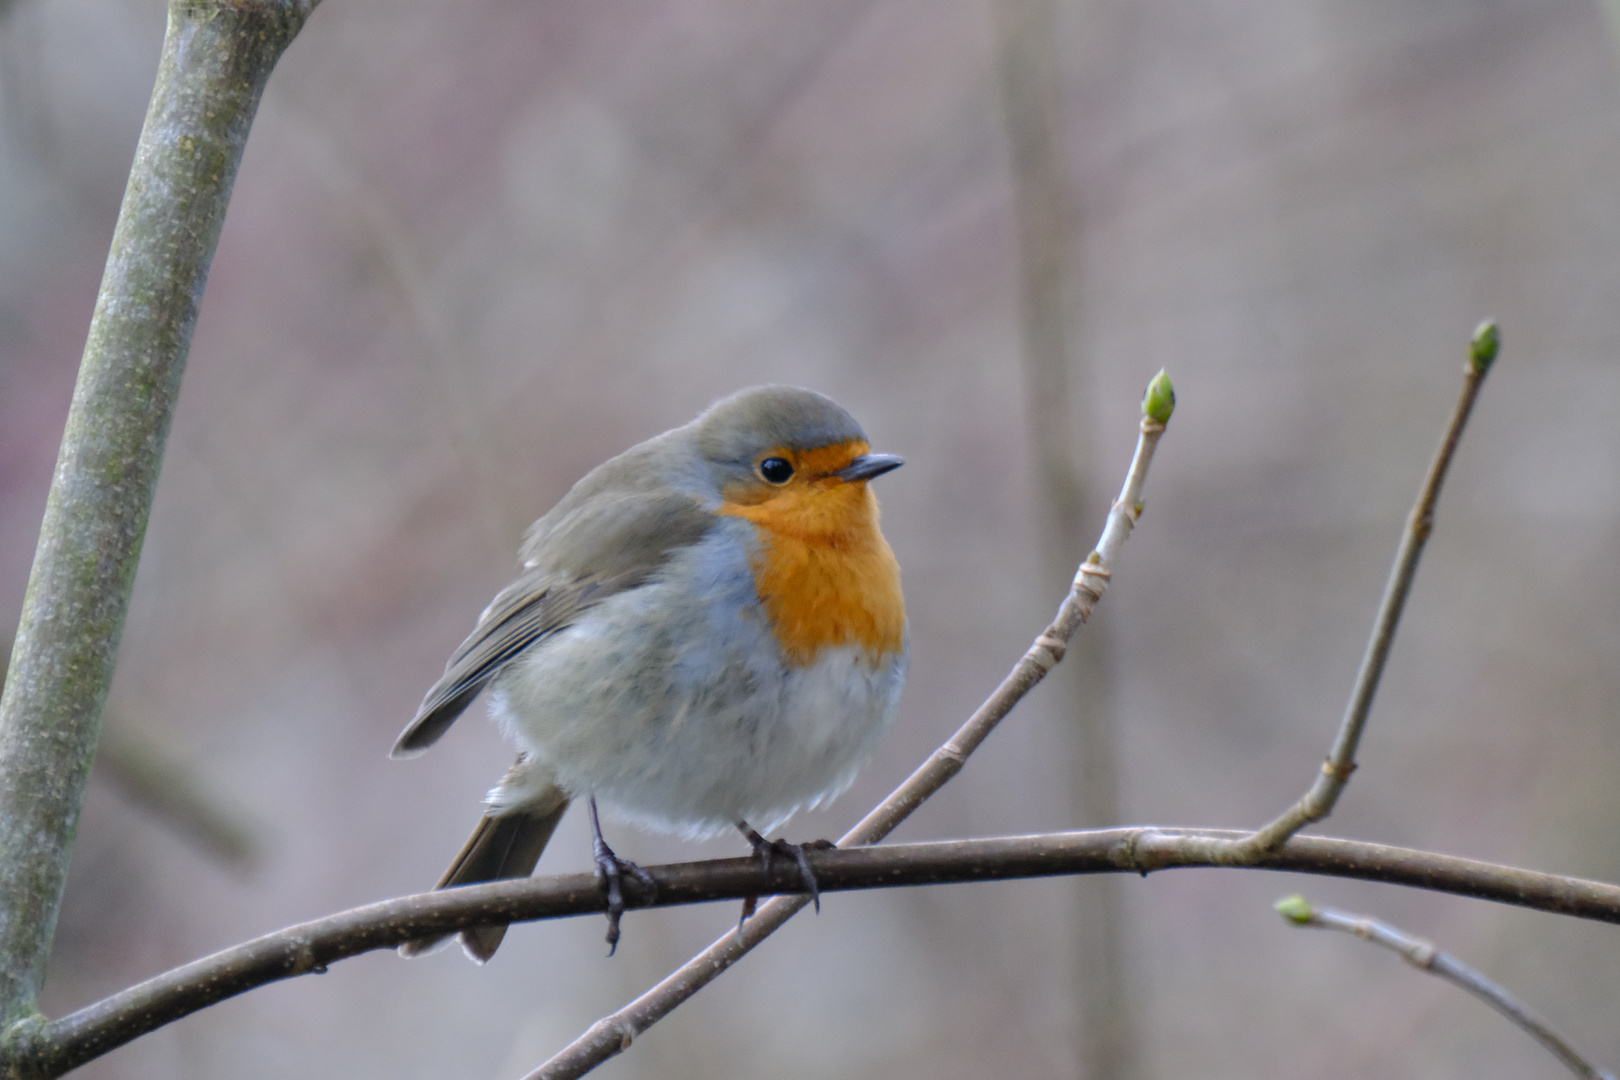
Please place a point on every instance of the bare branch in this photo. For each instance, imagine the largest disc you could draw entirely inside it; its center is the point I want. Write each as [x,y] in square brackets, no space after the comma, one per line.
[1317,802]
[612,1034]
[1425,957]
[311,947]
[216,60]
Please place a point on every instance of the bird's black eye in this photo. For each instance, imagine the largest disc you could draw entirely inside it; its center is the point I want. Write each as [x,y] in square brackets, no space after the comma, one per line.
[775,470]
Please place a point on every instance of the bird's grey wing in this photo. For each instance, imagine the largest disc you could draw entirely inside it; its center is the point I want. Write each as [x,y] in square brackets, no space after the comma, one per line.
[614,543]
[532,606]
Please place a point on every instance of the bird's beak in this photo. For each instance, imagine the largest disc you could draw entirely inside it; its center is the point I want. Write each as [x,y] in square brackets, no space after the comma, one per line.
[867,466]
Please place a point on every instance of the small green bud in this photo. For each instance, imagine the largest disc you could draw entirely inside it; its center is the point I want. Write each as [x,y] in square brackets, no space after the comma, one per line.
[1482,350]
[1295,909]
[1160,400]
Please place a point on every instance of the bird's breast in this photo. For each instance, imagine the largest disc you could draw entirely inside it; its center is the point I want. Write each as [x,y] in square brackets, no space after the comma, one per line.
[824,589]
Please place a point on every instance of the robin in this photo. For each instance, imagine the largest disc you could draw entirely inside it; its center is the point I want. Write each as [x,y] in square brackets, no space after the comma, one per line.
[708,634]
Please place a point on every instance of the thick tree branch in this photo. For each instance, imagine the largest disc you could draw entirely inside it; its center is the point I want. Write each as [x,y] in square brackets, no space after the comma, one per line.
[311,947]
[1425,957]
[216,59]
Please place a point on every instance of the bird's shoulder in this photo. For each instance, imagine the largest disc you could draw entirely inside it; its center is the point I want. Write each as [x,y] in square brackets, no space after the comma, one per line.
[612,532]
[624,516]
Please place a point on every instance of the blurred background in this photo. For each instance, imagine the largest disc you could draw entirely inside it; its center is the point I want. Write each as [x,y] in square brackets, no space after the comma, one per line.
[479,246]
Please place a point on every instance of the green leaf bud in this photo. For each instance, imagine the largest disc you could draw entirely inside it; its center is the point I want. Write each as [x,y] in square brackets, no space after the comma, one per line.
[1482,349]
[1295,909]
[1160,400]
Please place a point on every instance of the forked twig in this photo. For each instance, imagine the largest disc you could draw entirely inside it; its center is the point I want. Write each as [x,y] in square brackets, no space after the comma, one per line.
[613,1034]
[1317,802]
[1425,957]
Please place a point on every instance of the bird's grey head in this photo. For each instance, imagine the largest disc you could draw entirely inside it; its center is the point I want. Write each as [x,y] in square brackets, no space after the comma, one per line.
[735,431]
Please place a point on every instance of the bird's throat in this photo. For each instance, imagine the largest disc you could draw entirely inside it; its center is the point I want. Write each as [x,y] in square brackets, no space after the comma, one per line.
[826,576]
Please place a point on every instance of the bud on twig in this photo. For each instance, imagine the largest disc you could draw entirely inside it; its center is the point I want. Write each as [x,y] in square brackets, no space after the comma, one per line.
[1160,400]
[1483,348]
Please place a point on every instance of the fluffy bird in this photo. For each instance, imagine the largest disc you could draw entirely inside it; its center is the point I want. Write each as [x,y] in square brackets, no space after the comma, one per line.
[708,634]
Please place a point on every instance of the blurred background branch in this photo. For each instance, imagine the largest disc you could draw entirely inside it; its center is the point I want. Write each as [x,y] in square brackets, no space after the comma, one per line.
[1029,72]
[1425,957]
[152,777]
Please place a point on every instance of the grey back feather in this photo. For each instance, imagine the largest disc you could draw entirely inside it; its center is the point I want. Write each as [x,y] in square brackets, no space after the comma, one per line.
[601,545]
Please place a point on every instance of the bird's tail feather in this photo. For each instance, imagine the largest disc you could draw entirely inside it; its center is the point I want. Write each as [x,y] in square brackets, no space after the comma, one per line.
[507,845]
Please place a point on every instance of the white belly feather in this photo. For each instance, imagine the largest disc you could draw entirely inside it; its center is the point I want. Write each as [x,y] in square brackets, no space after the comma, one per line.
[679,714]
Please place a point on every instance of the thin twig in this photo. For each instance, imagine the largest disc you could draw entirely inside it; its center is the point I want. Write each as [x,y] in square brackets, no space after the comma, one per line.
[216,59]
[1425,957]
[612,1034]
[311,947]
[1317,802]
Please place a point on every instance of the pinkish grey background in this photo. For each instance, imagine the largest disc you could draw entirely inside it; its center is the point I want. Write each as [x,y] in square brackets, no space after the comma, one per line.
[478,246]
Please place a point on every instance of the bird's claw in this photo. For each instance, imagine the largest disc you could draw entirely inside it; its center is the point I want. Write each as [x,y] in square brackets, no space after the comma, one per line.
[611,869]
[767,851]
[750,903]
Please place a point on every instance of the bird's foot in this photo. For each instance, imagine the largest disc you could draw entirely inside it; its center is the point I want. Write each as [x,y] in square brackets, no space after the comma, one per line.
[767,852]
[611,869]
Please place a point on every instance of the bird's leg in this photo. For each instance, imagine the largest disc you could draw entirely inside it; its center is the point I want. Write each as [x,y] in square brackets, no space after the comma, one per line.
[766,851]
[611,868]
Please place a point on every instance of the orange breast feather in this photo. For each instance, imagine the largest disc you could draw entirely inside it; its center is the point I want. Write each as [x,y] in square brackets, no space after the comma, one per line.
[825,574]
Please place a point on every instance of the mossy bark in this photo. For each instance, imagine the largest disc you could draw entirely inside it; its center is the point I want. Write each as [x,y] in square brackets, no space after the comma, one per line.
[217,57]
